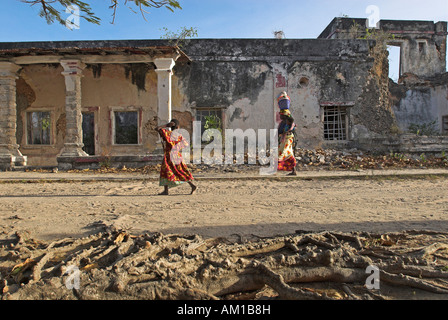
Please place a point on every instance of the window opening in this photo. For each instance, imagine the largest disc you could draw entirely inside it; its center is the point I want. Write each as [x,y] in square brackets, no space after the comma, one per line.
[126,127]
[39,128]
[394,62]
[88,132]
[212,116]
[445,125]
[335,123]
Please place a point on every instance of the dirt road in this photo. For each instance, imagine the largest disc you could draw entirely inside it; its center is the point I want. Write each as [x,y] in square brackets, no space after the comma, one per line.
[229,208]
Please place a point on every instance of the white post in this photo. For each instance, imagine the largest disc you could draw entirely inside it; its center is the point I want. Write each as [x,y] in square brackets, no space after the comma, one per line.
[164,73]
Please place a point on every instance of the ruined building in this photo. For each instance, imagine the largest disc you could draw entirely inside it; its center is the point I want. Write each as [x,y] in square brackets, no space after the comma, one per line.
[81,104]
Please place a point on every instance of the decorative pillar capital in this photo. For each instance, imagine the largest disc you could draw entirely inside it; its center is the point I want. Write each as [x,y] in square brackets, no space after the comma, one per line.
[72,67]
[164,65]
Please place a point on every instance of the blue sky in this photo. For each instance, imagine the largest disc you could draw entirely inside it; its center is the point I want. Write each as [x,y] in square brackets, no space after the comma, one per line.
[212,18]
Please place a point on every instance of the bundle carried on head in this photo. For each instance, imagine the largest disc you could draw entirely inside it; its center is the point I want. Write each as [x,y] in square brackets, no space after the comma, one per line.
[283,101]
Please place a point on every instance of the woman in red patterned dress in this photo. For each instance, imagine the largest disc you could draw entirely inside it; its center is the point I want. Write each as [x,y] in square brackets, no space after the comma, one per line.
[174,171]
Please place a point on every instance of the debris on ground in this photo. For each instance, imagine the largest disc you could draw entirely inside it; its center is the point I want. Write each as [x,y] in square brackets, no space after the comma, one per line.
[306,265]
[358,160]
[307,159]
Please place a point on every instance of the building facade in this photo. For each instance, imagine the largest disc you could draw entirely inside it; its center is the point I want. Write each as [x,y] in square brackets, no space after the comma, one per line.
[92,103]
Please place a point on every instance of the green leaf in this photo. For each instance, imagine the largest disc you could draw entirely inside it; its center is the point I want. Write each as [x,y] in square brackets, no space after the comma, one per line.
[52,14]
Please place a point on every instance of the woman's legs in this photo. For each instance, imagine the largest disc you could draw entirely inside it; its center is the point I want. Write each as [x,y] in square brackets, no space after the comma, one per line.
[165,191]
[193,187]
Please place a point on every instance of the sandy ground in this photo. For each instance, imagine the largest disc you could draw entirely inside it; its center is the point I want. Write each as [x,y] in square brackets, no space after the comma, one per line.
[240,207]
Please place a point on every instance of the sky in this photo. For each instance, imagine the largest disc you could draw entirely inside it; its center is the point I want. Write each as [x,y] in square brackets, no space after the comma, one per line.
[211,18]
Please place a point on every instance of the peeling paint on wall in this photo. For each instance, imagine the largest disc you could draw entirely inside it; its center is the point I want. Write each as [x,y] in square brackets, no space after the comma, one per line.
[138,73]
[25,98]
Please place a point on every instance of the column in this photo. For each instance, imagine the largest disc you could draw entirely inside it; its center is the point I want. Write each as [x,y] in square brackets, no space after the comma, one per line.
[73,134]
[164,73]
[10,155]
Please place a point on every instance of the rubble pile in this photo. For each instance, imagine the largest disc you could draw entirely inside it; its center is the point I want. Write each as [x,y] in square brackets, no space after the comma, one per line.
[358,160]
[307,159]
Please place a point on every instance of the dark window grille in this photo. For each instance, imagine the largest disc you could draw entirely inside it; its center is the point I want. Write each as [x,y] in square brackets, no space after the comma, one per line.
[335,123]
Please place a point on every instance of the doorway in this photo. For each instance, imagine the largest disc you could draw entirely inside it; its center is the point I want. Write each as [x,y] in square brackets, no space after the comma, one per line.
[88,132]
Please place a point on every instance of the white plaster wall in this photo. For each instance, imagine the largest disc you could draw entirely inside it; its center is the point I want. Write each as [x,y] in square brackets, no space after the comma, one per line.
[418,107]
[305,106]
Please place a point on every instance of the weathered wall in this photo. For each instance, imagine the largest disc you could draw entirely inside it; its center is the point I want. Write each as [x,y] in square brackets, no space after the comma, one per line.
[105,88]
[422,43]
[420,101]
[41,88]
[420,97]
[244,77]
[122,87]
[417,108]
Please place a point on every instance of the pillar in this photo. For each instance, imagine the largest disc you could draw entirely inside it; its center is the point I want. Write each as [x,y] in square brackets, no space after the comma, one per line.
[10,155]
[73,134]
[164,74]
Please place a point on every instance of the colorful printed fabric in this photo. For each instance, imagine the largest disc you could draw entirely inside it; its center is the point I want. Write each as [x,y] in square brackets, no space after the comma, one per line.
[285,112]
[286,159]
[174,171]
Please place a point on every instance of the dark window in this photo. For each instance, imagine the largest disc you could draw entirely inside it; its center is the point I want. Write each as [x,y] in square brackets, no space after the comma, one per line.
[88,132]
[39,128]
[422,47]
[445,125]
[126,127]
[335,123]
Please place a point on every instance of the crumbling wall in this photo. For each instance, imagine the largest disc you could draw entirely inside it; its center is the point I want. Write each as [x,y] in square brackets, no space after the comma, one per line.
[244,77]
[420,102]
[372,115]
[423,45]
[243,89]
[313,85]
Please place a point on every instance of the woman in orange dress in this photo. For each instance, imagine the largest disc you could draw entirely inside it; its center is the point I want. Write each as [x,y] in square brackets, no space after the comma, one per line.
[174,171]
